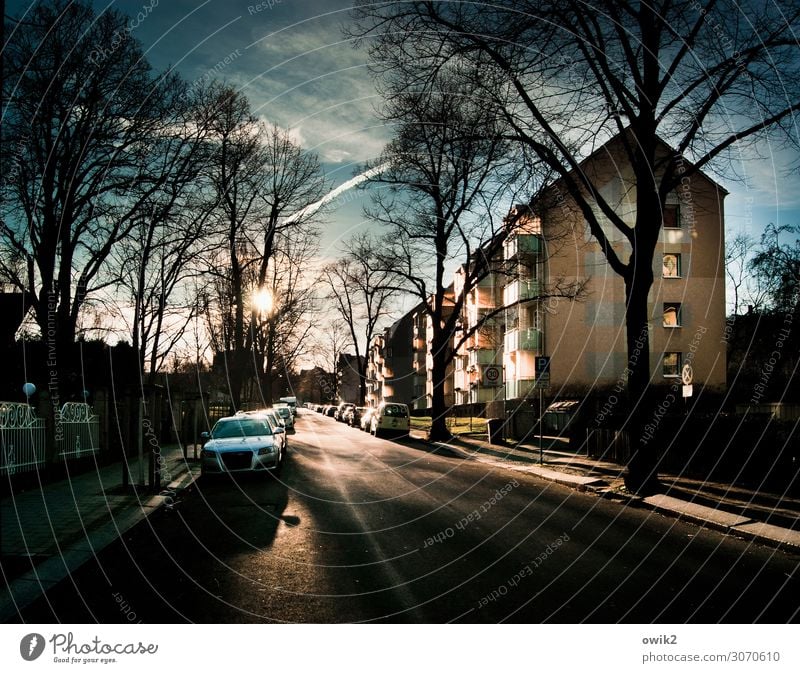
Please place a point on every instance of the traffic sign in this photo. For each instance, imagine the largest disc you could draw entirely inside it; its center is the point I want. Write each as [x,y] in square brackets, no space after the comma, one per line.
[687,375]
[492,375]
[542,371]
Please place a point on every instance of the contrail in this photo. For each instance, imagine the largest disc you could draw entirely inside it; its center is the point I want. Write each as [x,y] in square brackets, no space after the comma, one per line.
[334,193]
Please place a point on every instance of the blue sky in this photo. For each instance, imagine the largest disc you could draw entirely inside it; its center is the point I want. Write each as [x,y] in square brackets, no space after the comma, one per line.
[292,61]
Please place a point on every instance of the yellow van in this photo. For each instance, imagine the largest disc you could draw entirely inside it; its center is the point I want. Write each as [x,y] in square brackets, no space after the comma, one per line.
[390,417]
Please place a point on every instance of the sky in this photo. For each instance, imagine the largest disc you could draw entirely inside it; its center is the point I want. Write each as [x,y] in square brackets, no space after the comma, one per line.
[291,59]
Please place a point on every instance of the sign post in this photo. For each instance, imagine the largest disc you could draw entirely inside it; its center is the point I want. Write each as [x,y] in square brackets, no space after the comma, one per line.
[686,377]
[542,373]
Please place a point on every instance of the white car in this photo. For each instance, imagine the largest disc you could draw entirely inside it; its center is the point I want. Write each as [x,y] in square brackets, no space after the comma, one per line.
[243,443]
[390,417]
[285,412]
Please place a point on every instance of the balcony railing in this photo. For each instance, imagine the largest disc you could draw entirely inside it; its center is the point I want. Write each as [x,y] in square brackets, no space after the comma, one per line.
[520,290]
[522,244]
[483,356]
[523,340]
[517,388]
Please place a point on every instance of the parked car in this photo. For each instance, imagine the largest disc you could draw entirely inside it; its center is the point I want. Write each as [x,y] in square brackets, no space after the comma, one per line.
[291,402]
[343,407]
[285,412]
[243,443]
[352,416]
[366,419]
[330,410]
[390,417]
[274,417]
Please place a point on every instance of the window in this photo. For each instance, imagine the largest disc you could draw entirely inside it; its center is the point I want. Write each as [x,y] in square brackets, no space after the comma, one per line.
[672,314]
[671,265]
[672,364]
[672,218]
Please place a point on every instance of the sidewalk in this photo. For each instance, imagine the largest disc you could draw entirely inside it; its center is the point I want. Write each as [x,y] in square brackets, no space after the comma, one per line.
[768,518]
[49,532]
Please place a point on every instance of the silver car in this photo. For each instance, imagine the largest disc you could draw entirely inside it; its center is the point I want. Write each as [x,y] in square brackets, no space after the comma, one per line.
[243,443]
[286,415]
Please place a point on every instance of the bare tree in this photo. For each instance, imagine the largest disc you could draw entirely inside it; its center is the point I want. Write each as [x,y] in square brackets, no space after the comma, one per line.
[281,331]
[329,341]
[709,76]
[439,190]
[82,120]
[361,295]
[168,238]
[263,186]
[748,288]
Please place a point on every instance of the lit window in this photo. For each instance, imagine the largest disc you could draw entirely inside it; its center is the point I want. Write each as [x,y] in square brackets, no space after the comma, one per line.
[671,217]
[672,364]
[672,265]
[672,314]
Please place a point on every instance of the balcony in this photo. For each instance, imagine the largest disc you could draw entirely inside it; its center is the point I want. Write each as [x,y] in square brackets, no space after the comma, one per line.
[523,340]
[518,388]
[521,290]
[522,244]
[483,356]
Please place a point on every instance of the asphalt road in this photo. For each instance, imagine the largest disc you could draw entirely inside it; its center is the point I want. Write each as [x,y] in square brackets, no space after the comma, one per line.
[362,529]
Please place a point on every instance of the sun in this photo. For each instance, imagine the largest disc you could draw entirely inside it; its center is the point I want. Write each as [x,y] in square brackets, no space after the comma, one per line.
[262,301]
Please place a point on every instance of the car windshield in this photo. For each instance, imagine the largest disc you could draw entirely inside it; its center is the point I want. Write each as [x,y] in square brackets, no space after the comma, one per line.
[394,410]
[284,411]
[240,427]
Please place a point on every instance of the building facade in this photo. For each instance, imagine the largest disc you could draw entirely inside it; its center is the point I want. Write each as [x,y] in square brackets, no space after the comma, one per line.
[390,364]
[515,314]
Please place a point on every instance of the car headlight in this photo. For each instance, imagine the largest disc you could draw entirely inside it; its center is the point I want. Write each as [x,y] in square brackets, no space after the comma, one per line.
[205,453]
[265,450]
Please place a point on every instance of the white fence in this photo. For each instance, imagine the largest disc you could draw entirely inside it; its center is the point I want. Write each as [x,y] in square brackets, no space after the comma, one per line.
[22,438]
[77,430]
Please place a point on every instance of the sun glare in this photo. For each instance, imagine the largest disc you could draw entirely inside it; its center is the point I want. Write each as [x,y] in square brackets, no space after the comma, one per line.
[263,301]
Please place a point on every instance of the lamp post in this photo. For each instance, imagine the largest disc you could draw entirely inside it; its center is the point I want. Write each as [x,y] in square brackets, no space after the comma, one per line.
[28,390]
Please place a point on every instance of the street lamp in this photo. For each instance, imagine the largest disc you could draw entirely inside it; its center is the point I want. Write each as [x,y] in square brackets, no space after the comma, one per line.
[28,389]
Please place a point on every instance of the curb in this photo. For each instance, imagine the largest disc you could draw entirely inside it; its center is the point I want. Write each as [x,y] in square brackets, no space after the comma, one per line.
[701,515]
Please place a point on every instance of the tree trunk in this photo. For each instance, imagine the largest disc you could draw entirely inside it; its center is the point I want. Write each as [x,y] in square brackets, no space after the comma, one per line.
[439,431]
[641,476]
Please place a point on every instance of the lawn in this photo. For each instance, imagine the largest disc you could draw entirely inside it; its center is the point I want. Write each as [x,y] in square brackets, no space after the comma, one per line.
[458,426]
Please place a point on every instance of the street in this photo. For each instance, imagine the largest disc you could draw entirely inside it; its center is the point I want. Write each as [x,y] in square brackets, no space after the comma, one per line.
[361,529]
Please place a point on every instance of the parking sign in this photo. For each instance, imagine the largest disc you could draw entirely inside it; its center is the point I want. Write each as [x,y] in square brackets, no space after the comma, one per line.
[542,371]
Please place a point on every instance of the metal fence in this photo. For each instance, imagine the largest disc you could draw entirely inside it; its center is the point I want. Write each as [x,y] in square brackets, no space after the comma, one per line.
[77,430]
[22,438]
[613,445]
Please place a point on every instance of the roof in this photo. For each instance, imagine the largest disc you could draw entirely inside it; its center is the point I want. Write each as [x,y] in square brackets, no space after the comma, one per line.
[607,146]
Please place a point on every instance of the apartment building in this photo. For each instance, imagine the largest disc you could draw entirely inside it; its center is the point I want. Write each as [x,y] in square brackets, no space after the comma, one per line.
[478,343]
[419,359]
[548,244]
[586,339]
[390,372]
